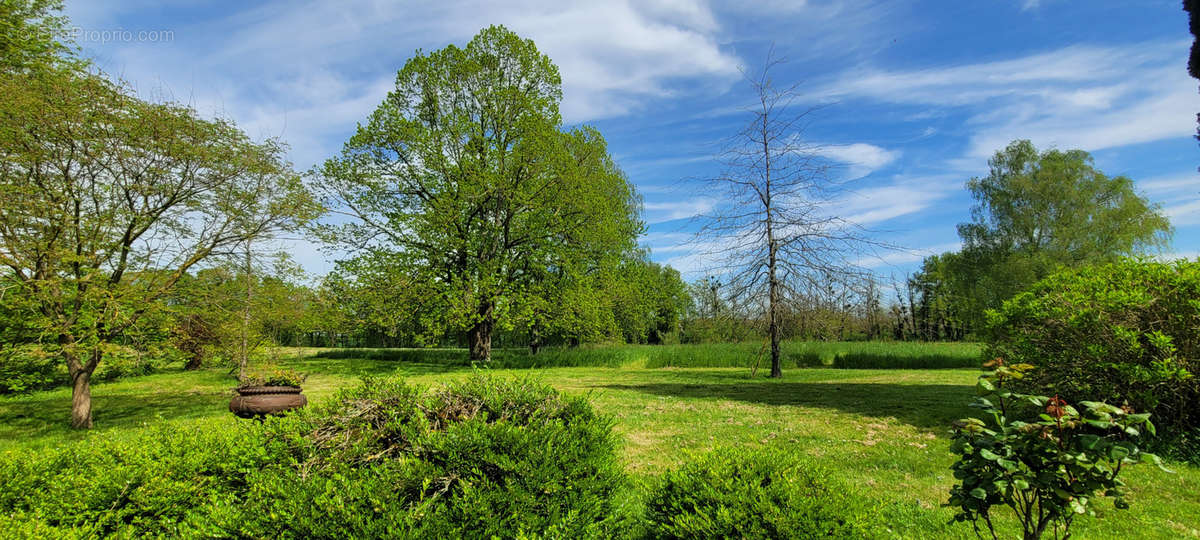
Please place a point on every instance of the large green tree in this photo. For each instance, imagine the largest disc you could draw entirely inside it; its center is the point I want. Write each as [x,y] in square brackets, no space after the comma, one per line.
[1035,212]
[465,180]
[108,200]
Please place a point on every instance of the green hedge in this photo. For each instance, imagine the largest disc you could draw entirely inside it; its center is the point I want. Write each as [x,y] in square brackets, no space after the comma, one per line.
[844,355]
[383,460]
[761,494]
[1127,332]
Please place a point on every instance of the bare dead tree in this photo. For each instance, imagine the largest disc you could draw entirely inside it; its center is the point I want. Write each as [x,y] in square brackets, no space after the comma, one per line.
[775,233]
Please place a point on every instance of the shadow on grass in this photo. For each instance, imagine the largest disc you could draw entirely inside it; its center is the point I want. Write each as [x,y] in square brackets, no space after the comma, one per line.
[25,421]
[926,406]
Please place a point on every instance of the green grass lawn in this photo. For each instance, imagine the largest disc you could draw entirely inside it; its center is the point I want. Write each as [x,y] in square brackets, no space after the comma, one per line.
[883,430]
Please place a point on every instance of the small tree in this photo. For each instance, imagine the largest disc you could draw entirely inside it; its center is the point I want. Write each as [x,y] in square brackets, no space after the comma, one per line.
[109,200]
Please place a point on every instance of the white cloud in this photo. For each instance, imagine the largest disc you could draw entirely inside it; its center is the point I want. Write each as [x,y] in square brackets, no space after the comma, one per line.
[904,196]
[1188,182]
[906,256]
[668,211]
[862,158]
[1087,97]
[310,71]
[1184,214]
[1161,113]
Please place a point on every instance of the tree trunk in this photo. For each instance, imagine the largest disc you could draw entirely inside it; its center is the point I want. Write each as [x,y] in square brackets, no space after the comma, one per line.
[81,398]
[535,340]
[773,309]
[481,334]
[244,345]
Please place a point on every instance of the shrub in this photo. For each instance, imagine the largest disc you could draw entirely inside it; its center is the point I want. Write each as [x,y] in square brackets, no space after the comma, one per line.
[154,484]
[1040,456]
[473,459]
[763,494]
[1121,333]
[272,376]
[24,368]
[32,366]
[476,458]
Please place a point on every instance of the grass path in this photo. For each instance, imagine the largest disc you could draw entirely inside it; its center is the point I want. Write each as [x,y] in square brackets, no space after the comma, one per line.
[883,430]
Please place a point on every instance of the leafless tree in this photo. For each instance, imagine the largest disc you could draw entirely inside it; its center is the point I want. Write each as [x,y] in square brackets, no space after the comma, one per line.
[776,232]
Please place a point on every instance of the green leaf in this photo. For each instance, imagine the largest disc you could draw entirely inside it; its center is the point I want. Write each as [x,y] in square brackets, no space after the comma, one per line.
[1089,441]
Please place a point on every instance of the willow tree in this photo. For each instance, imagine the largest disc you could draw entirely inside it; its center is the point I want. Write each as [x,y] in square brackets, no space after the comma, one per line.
[465,178]
[108,200]
[1038,211]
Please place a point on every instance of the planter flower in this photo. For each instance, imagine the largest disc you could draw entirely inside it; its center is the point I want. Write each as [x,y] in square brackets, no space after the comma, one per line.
[266,393]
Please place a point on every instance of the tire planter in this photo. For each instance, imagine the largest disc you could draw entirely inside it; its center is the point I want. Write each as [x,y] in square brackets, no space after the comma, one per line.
[260,401]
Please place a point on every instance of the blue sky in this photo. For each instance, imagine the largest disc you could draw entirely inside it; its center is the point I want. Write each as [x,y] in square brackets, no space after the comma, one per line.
[916,95]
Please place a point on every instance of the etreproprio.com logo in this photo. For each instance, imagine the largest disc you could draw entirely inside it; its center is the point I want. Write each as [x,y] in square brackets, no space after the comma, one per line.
[119,35]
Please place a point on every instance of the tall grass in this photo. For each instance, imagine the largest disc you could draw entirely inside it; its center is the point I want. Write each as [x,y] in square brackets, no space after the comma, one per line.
[844,355]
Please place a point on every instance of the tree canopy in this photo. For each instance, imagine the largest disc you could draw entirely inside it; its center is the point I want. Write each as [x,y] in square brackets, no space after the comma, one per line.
[109,199]
[1036,212]
[466,182]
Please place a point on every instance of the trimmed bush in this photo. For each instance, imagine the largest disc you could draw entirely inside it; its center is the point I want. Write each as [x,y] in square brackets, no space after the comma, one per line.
[763,494]
[1125,332]
[155,484]
[472,459]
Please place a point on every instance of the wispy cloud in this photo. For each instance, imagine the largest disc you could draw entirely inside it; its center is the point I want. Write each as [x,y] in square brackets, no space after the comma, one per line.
[669,211]
[1088,97]
[1184,214]
[905,256]
[902,197]
[862,159]
[1188,182]
[311,71]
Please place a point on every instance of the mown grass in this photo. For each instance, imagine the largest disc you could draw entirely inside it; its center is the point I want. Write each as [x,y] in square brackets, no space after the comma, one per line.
[847,355]
[885,431]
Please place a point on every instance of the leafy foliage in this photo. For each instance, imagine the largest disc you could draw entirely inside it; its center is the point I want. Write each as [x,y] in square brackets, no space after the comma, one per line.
[465,183]
[476,458]
[109,199]
[1041,456]
[1037,212]
[272,376]
[1123,333]
[761,494]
